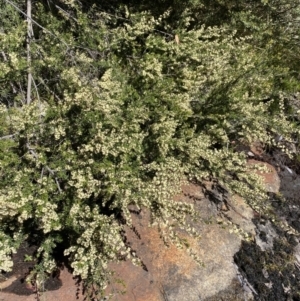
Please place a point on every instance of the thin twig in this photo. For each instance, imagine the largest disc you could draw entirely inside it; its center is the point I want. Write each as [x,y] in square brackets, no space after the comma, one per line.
[42,173]
[7,137]
[244,282]
[23,94]
[38,97]
[36,23]
[31,150]
[28,41]
[49,90]
[164,294]
[66,13]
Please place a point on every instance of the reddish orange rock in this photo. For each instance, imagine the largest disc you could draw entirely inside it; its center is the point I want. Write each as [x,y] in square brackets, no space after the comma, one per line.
[271,178]
[14,289]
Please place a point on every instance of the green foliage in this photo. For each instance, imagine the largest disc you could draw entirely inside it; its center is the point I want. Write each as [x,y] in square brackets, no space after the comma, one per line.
[121,114]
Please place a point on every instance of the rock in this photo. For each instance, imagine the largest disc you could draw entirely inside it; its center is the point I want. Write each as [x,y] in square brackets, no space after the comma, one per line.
[290,184]
[66,291]
[297,254]
[241,214]
[265,235]
[271,178]
[257,149]
[171,274]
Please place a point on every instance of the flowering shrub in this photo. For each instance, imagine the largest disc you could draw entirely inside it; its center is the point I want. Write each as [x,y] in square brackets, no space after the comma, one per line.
[121,111]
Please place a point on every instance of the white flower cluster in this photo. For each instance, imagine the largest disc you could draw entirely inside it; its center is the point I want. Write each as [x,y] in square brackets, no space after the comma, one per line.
[99,243]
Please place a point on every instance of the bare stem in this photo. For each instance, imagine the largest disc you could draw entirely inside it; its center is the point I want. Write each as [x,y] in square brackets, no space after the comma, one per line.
[7,137]
[29,37]
[36,23]
[35,155]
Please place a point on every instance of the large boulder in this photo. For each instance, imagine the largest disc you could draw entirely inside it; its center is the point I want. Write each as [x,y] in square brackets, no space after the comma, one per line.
[171,274]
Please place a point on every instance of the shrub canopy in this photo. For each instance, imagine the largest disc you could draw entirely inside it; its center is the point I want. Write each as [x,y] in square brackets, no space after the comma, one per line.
[126,101]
